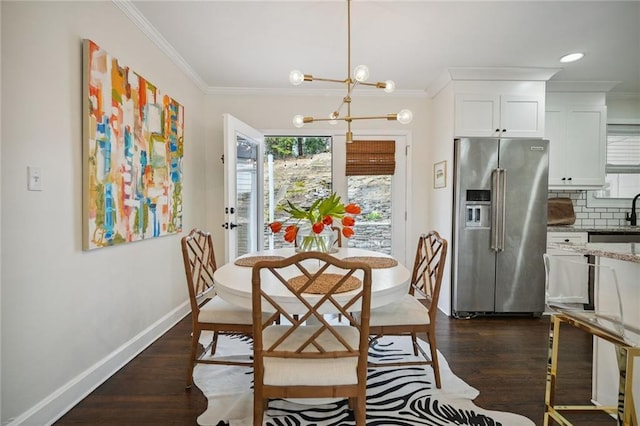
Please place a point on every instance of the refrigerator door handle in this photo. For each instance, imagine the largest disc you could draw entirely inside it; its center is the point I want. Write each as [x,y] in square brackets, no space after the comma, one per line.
[494,208]
[503,200]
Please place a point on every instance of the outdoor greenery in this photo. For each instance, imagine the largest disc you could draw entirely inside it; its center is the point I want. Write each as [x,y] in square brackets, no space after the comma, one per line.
[374,215]
[286,147]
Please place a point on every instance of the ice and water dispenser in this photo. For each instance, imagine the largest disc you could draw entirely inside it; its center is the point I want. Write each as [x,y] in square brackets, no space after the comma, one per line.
[478,208]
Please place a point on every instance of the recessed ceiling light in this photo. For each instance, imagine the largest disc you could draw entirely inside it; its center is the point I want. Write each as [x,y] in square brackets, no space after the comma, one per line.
[571,57]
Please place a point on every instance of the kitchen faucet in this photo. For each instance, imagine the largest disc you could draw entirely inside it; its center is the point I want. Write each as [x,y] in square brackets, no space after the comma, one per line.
[632,218]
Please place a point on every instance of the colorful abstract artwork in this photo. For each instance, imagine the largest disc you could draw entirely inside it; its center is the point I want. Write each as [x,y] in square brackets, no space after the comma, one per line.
[132,154]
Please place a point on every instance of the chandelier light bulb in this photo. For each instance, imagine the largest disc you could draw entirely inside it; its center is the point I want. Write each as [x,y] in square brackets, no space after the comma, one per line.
[389,86]
[405,116]
[332,118]
[296,77]
[361,73]
[298,121]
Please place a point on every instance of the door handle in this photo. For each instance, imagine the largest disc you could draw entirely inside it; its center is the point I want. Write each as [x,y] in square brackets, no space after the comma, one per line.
[232,225]
[503,216]
[494,209]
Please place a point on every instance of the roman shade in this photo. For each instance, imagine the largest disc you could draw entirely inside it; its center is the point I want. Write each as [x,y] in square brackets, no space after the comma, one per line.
[371,158]
[623,148]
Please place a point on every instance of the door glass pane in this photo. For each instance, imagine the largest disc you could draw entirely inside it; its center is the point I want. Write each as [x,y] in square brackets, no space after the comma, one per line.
[297,169]
[373,225]
[247,195]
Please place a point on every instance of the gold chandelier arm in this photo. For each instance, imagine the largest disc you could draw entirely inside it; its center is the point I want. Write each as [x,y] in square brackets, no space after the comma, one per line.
[378,85]
[332,80]
[390,117]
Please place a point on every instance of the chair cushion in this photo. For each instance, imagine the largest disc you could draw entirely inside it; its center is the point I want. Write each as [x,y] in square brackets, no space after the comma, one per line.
[217,310]
[407,311]
[310,372]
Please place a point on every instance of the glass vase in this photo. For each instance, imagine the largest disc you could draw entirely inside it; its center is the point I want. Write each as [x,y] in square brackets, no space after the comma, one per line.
[307,240]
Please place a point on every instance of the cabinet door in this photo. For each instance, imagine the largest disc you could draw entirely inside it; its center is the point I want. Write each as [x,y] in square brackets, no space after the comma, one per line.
[575,290]
[554,130]
[522,116]
[586,145]
[577,146]
[477,115]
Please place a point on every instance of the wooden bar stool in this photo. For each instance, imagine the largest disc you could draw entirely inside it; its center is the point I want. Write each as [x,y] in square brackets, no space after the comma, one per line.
[605,322]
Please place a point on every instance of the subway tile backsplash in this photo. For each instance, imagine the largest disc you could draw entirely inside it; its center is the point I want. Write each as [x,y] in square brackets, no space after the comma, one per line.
[592,216]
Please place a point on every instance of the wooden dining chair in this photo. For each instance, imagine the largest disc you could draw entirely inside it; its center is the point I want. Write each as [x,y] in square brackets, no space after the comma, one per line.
[416,311]
[310,357]
[209,311]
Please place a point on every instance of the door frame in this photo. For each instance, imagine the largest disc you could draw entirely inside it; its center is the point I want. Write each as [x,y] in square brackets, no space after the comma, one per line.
[338,165]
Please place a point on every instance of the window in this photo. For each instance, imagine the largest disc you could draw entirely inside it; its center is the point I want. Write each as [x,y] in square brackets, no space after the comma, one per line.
[297,169]
[622,180]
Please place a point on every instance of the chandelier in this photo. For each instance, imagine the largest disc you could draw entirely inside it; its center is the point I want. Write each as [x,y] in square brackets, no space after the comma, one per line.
[359,76]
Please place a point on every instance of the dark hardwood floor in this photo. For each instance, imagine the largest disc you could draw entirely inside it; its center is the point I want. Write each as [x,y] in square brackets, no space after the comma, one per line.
[504,358]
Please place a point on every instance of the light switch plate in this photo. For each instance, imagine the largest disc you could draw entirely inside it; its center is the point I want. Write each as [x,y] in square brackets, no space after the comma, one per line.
[34,176]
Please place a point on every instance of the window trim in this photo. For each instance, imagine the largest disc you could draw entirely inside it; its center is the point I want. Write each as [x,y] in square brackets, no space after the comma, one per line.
[592,199]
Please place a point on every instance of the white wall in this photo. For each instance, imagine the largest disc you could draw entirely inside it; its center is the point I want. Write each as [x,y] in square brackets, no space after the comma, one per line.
[441,200]
[70,318]
[623,107]
[276,113]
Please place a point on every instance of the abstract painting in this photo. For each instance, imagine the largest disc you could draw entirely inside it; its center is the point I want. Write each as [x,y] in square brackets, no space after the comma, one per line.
[132,154]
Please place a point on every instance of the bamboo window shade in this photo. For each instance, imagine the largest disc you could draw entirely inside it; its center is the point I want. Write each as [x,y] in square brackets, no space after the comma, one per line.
[371,158]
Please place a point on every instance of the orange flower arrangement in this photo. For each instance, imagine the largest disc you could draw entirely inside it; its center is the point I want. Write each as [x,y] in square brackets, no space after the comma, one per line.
[322,213]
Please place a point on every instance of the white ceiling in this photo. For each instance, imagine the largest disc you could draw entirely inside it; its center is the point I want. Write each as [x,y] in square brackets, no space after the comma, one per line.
[255,44]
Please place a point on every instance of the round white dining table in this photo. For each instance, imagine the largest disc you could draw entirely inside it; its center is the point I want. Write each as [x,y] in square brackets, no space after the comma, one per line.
[233,282]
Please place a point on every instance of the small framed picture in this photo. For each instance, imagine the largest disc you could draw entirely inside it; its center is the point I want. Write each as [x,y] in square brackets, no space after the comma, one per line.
[440,174]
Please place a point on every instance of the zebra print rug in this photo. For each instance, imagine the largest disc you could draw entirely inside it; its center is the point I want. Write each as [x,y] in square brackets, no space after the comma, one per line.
[395,396]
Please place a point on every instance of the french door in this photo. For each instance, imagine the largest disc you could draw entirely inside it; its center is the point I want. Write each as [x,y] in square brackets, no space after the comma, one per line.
[243,194]
[379,228]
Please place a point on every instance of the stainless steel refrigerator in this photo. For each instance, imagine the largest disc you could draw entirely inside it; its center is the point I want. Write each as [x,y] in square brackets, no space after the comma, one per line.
[499,226]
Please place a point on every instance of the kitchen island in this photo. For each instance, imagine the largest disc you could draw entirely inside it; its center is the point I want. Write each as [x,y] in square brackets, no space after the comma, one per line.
[629,252]
[626,229]
[624,258]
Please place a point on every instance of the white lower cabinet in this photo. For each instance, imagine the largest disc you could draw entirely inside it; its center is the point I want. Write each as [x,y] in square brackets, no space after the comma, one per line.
[577,289]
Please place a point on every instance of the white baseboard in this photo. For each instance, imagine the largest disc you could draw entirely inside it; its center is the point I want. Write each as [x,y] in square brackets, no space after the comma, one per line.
[66,397]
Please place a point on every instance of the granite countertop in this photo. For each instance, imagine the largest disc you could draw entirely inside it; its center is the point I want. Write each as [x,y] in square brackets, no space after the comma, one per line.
[629,252]
[593,229]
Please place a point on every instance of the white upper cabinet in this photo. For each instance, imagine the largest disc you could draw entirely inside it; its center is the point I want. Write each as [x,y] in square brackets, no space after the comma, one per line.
[507,115]
[577,143]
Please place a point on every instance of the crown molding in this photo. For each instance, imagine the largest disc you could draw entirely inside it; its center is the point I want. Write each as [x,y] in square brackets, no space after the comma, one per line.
[502,73]
[490,74]
[149,30]
[438,84]
[580,86]
[624,95]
